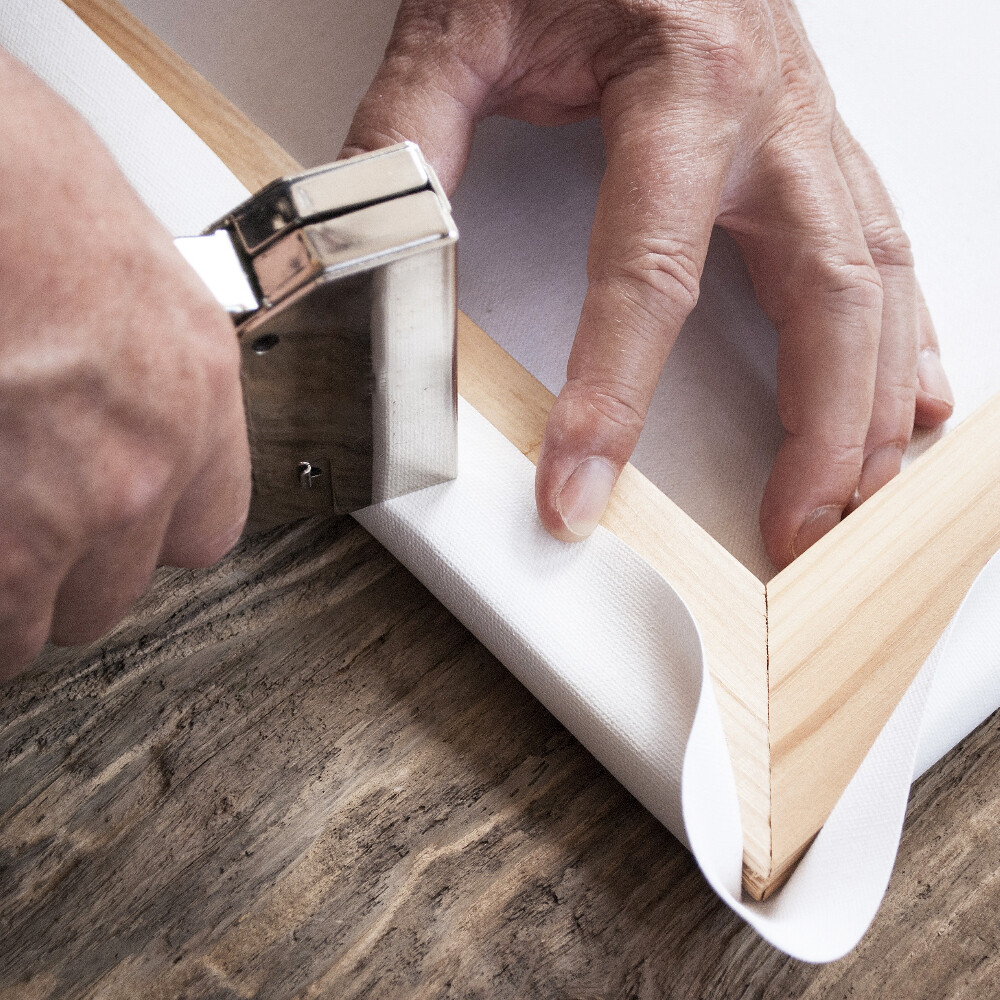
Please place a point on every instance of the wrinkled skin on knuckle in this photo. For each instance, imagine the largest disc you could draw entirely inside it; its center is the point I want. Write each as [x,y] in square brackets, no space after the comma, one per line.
[836,424]
[793,197]
[429,24]
[727,50]
[549,63]
[432,38]
[659,279]
[805,90]
[888,244]
[733,54]
[597,416]
[837,450]
[806,95]
[552,74]
[609,402]
[899,441]
[785,167]
[847,284]
[900,394]
[800,108]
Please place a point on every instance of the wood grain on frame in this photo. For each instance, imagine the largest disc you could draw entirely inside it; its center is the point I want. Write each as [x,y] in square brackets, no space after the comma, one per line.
[852,620]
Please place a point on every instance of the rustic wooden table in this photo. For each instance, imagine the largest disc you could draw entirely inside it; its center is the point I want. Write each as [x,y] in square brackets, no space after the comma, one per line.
[296,775]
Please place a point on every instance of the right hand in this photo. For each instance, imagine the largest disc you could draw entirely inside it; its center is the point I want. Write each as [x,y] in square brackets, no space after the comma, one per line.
[122,437]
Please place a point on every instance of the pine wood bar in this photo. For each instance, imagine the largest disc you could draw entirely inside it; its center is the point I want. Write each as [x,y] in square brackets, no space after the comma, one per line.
[807,668]
[851,621]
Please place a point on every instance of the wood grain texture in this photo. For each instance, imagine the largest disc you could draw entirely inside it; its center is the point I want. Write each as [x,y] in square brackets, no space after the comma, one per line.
[853,619]
[726,600]
[296,776]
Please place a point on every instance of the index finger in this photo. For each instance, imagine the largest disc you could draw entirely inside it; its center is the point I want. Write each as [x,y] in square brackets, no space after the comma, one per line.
[671,135]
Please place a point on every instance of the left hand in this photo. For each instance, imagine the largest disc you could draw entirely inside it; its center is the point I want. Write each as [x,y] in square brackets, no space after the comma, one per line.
[713,111]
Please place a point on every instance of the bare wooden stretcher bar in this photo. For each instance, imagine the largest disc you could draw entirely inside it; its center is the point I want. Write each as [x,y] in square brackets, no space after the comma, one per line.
[807,667]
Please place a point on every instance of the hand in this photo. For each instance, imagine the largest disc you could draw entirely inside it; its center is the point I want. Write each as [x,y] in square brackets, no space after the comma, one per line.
[122,437]
[713,111]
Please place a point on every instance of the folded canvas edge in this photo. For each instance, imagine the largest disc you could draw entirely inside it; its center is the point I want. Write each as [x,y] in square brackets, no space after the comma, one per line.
[725,599]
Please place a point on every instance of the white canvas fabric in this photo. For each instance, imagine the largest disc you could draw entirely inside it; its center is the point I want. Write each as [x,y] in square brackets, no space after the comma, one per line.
[596,634]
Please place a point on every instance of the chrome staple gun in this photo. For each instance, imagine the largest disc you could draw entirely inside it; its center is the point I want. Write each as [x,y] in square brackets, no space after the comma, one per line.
[341,283]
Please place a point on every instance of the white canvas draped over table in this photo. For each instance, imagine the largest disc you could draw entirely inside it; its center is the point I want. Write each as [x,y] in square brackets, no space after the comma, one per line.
[596,634]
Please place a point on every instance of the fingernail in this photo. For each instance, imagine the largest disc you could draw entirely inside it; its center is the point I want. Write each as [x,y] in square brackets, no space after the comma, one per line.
[933,381]
[880,466]
[585,494]
[815,526]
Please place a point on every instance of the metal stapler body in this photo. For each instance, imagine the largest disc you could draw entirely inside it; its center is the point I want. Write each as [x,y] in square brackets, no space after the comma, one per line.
[341,283]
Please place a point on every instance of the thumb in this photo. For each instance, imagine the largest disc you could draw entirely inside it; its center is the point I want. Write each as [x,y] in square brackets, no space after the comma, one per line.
[424,92]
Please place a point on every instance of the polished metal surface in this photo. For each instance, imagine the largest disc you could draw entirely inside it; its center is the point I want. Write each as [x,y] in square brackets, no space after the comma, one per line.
[347,243]
[308,475]
[215,259]
[329,190]
[348,363]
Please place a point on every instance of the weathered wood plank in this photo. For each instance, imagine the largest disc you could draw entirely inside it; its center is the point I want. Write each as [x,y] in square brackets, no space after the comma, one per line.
[297,776]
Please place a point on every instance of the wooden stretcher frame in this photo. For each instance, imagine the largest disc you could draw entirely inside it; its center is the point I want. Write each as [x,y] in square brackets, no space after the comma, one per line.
[807,667]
